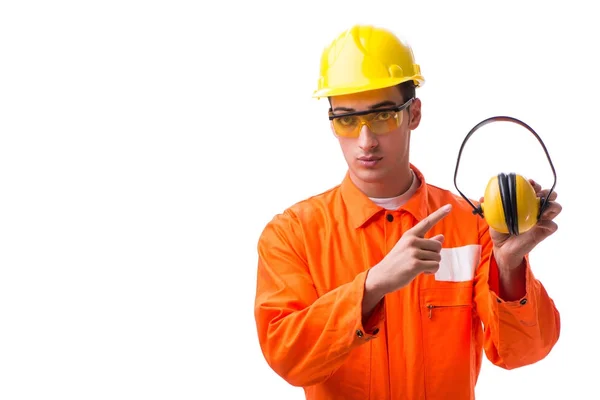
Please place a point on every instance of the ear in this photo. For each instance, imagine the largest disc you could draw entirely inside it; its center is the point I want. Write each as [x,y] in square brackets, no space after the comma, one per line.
[415,114]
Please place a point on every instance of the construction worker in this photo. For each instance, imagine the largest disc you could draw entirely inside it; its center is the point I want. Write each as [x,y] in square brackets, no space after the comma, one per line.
[385,286]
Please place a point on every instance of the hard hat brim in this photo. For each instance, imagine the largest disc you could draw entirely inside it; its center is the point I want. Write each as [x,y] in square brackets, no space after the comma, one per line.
[333,91]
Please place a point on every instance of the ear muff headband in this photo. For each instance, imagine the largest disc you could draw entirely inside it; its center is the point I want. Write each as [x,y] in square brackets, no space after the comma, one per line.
[478,210]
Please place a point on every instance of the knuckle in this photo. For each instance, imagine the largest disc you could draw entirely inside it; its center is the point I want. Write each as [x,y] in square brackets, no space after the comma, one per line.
[413,266]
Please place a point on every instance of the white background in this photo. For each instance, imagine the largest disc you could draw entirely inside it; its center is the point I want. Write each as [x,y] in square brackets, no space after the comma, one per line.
[144,146]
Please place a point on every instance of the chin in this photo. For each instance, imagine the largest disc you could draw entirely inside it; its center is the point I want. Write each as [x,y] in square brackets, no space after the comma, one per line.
[370,175]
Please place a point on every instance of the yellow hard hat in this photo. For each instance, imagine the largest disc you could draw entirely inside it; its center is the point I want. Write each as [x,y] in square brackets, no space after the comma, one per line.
[366,58]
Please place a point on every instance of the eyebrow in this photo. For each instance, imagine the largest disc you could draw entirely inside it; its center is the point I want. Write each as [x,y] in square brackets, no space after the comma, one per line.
[386,103]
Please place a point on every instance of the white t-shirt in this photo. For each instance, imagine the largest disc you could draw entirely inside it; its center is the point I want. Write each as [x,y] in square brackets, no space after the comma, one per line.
[393,203]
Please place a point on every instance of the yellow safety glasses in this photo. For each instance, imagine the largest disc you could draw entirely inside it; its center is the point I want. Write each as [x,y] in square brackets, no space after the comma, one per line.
[379,121]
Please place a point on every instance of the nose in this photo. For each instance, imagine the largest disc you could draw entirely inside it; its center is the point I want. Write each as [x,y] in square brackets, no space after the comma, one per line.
[367,140]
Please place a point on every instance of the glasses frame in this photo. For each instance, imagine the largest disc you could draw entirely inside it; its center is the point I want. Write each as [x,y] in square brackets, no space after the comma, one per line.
[397,108]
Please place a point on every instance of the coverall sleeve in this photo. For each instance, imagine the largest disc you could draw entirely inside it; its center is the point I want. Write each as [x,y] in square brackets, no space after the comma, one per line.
[516,333]
[304,337]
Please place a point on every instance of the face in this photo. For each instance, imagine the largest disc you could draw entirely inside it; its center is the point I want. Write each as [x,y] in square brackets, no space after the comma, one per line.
[378,163]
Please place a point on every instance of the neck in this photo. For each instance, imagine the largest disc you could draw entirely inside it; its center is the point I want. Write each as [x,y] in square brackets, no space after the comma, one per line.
[391,187]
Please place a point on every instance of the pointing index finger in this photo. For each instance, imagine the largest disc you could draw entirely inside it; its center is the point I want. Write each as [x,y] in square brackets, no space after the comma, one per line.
[429,222]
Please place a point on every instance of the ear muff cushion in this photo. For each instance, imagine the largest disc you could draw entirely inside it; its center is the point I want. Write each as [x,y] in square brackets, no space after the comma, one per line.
[512,186]
[504,189]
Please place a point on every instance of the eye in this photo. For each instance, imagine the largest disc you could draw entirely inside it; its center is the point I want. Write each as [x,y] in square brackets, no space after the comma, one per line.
[347,120]
[384,116]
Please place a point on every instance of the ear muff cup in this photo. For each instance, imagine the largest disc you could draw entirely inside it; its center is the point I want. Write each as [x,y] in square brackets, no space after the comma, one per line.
[513,222]
[504,191]
[508,194]
[510,204]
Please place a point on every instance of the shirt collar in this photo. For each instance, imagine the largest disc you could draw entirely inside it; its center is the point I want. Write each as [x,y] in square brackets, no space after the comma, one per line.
[361,209]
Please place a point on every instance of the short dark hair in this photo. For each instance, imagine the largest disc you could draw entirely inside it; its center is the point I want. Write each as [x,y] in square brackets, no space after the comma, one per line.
[407,90]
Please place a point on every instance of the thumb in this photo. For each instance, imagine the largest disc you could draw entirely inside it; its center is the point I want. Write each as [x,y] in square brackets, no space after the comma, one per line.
[439,238]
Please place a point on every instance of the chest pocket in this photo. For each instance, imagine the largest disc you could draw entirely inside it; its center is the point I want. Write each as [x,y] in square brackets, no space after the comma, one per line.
[447,328]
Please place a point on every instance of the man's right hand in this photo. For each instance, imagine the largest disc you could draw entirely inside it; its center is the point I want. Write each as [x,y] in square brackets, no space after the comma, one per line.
[410,256]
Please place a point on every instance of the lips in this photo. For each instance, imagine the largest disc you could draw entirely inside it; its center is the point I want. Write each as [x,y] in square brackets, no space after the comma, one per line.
[370,158]
[369,161]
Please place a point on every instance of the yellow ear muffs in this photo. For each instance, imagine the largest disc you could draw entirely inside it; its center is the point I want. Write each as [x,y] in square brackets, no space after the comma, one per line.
[510,204]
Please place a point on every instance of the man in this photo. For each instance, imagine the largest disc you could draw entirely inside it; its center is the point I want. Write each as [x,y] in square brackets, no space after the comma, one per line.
[387,287]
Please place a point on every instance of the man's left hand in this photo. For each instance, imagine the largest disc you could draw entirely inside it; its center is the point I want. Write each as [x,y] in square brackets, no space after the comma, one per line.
[509,251]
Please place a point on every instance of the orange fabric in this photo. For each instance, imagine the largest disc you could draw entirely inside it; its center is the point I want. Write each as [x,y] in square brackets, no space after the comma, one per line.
[313,261]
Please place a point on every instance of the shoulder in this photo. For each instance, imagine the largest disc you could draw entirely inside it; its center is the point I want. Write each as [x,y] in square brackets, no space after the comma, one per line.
[440,196]
[316,207]
[303,215]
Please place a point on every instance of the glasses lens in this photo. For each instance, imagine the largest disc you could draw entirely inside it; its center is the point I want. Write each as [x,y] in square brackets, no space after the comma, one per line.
[347,126]
[379,123]
[384,122]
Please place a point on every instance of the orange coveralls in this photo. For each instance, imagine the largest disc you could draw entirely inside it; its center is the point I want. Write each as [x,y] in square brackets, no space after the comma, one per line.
[424,341]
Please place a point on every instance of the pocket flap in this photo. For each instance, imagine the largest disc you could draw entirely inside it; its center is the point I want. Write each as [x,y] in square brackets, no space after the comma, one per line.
[447,296]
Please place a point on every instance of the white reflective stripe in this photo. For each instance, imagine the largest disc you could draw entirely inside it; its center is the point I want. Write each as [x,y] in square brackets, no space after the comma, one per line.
[459,263]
